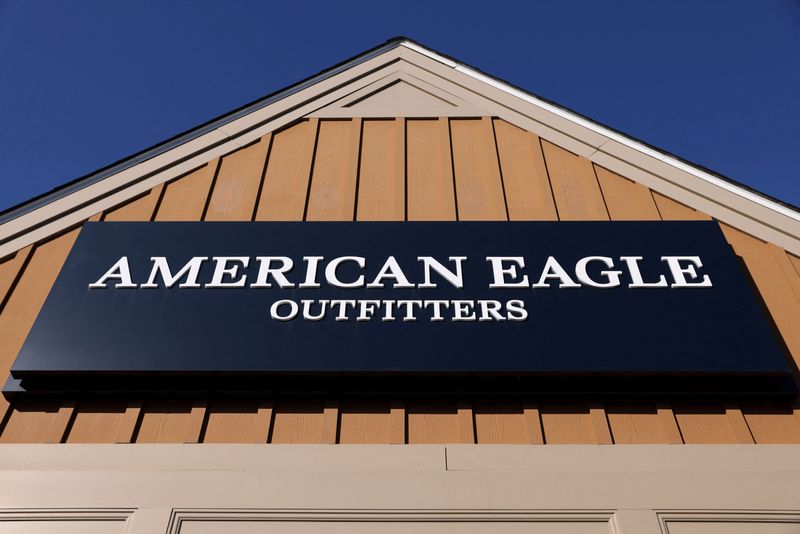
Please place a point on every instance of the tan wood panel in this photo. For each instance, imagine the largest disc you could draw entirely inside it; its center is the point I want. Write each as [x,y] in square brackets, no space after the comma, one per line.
[533,423]
[139,209]
[438,422]
[397,423]
[501,422]
[381,196]
[795,262]
[626,200]
[238,421]
[90,422]
[479,187]
[11,269]
[382,175]
[283,195]
[235,190]
[772,423]
[784,263]
[431,196]
[528,193]
[642,423]
[565,422]
[778,294]
[633,422]
[185,198]
[37,422]
[365,422]
[171,422]
[710,423]
[333,179]
[575,188]
[26,300]
[103,421]
[299,422]
[672,210]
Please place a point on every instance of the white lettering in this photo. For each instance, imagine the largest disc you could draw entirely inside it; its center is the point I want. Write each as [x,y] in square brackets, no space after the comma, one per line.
[222,270]
[121,271]
[612,277]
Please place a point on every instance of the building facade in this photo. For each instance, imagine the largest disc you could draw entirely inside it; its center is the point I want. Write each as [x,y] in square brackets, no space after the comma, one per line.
[400,133]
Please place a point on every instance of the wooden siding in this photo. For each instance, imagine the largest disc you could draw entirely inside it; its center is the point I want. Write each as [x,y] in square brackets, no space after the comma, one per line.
[396,169]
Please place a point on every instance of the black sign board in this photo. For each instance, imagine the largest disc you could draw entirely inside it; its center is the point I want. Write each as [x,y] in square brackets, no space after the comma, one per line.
[482,307]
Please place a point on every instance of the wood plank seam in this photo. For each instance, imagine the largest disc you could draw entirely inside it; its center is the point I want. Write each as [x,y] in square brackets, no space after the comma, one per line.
[23,265]
[499,165]
[359,124]
[270,138]
[315,127]
[549,180]
[452,163]
[658,210]
[218,162]
[405,168]
[602,193]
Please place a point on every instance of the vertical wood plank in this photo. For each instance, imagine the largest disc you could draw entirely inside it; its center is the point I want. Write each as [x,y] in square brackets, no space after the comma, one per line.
[568,423]
[89,421]
[775,289]
[431,196]
[381,196]
[171,422]
[366,422]
[479,187]
[626,200]
[739,428]
[10,270]
[283,195]
[299,422]
[708,423]
[528,194]
[533,423]
[139,209]
[333,180]
[233,197]
[397,430]
[672,210]
[37,422]
[434,422]
[235,421]
[24,303]
[330,422]
[575,188]
[602,433]
[382,178]
[103,422]
[466,424]
[669,425]
[501,422]
[772,423]
[185,198]
[641,423]
[795,263]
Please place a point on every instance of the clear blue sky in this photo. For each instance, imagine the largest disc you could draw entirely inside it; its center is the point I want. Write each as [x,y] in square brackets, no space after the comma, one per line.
[86,83]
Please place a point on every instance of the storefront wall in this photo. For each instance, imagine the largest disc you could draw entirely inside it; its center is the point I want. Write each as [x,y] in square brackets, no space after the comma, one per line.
[412,169]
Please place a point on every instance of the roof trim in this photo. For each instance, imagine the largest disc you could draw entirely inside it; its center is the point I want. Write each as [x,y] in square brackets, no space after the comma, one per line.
[751,210]
[148,153]
[624,139]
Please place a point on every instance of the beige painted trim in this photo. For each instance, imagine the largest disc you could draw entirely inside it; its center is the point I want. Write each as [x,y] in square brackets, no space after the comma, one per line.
[633,487]
[449,104]
[727,202]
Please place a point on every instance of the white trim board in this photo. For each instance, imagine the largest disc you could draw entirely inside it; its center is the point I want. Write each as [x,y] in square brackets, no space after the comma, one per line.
[404,59]
[623,488]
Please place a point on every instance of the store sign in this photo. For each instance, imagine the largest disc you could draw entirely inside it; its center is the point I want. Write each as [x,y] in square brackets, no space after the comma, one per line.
[628,307]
